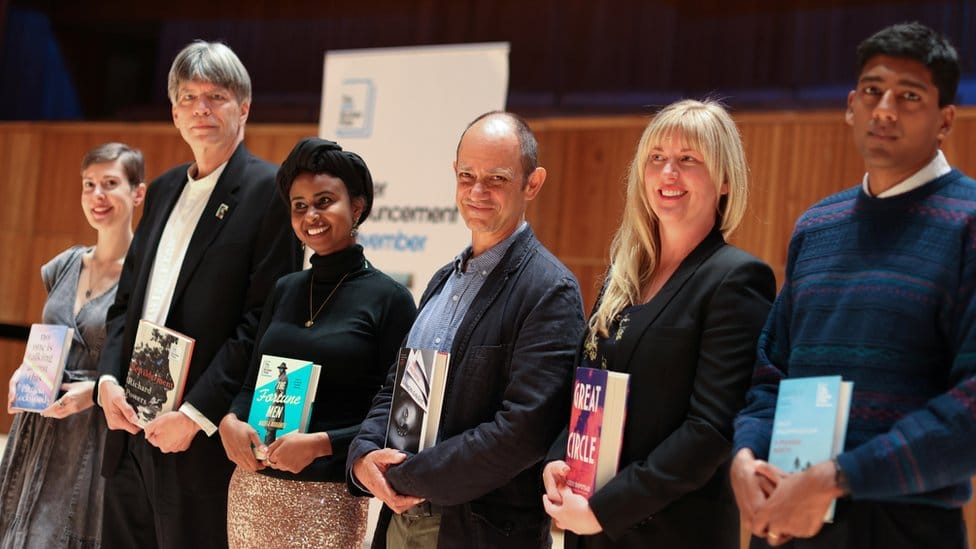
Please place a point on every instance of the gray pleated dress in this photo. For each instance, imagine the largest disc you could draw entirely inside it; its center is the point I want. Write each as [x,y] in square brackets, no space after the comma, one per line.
[50,485]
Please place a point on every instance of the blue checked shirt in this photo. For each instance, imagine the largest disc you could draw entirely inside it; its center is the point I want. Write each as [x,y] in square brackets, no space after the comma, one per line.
[438,321]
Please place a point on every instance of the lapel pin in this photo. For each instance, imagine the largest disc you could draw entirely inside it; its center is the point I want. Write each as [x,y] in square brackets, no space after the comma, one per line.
[221,210]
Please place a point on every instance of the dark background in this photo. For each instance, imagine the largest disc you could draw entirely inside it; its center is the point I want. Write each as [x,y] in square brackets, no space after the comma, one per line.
[107,60]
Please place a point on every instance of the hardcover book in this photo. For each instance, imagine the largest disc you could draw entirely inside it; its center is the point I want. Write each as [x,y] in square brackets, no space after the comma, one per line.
[284,393]
[42,368]
[157,372]
[418,396]
[810,423]
[596,428]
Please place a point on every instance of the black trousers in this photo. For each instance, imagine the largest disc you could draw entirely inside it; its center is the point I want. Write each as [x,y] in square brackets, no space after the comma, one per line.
[168,501]
[869,525]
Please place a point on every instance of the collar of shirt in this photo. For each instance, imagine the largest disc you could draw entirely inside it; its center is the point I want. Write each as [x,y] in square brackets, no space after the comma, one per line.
[206,183]
[486,262]
[933,170]
[438,321]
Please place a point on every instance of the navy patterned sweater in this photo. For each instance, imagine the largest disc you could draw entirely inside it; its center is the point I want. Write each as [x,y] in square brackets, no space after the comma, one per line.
[881,292]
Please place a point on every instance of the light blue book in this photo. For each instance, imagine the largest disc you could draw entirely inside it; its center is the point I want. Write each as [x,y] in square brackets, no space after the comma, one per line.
[283,396]
[810,423]
[42,368]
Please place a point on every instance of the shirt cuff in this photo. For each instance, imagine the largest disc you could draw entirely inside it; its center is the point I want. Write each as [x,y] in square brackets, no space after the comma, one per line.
[101,379]
[208,427]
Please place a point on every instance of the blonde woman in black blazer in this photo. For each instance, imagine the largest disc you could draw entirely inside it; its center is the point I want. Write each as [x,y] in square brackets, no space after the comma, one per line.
[680,311]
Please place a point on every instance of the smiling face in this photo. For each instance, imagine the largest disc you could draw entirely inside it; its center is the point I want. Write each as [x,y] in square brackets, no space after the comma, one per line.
[492,189]
[107,197]
[678,186]
[209,115]
[322,214]
[898,124]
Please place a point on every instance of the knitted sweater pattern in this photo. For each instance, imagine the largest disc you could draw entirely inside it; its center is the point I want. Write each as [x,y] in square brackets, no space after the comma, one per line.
[881,292]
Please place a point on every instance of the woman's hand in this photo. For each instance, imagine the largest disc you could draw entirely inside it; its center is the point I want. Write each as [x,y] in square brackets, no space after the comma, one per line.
[237,437]
[12,391]
[573,513]
[554,479]
[78,396]
[295,451]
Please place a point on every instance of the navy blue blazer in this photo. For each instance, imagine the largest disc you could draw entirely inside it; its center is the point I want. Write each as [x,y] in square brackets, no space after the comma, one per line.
[507,391]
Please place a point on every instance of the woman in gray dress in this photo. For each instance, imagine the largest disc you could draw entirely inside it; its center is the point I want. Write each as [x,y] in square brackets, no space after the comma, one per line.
[50,489]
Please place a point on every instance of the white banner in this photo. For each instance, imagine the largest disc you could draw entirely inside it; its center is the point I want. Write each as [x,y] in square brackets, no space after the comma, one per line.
[403,111]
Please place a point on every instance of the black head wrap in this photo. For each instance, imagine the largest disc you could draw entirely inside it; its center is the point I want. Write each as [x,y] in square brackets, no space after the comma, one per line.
[315,155]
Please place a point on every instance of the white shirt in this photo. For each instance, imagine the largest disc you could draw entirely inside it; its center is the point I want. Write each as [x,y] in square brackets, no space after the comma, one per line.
[174,243]
[934,169]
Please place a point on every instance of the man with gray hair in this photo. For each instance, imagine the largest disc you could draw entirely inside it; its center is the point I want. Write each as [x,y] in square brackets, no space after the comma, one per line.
[213,239]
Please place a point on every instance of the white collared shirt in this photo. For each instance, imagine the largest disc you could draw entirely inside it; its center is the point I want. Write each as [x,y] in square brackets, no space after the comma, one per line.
[933,170]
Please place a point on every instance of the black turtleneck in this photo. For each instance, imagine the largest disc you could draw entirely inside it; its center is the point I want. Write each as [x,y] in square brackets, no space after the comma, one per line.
[355,339]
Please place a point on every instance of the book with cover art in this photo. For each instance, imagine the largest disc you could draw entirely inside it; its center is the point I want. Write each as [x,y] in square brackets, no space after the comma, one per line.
[810,423]
[596,428]
[284,393]
[418,396]
[42,368]
[157,372]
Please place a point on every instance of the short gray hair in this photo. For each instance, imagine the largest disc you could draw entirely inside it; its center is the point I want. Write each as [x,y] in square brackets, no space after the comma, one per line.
[211,62]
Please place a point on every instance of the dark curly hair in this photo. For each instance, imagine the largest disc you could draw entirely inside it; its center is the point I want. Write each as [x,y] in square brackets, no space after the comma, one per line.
[317,156]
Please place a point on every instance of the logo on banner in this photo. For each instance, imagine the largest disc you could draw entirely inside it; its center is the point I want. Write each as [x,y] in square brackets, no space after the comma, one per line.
[356,109]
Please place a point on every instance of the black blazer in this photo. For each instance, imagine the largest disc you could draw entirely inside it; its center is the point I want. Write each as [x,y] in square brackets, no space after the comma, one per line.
[242,243]
[689,352]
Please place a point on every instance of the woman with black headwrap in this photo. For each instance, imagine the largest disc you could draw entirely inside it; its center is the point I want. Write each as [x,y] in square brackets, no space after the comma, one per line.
[342,314]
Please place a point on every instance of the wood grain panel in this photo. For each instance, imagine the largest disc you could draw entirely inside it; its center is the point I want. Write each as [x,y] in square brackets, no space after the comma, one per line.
[11,353]
[795,160]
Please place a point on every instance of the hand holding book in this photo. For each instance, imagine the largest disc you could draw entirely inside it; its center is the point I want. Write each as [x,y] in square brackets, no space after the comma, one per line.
[569,510]
[77,397]
[241,443]
[119,414]
[295,451]
[798,504]
[171,432]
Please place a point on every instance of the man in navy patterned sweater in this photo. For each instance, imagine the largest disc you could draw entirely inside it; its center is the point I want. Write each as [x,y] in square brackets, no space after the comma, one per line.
[879,290]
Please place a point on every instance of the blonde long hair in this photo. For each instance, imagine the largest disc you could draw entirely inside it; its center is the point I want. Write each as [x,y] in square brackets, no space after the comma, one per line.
[635,250]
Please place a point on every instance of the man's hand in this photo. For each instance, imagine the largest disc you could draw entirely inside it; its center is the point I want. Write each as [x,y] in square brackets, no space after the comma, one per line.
[751,489]
[237,437]
[295,451]
[77,397]
[797,506]
[573,514]
[119,415]
[370,471]
[171,432]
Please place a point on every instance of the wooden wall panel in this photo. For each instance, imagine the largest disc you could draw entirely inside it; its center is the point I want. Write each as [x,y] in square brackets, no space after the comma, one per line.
[795,159]
[11,353]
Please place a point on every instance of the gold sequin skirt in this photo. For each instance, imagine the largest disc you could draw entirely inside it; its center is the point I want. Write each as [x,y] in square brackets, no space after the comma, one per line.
[264,512]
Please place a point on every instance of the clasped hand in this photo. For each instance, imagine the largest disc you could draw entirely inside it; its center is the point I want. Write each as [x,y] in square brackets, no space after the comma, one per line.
[569,510]
[292,452]
[171,432]
[780,506]
[370,471]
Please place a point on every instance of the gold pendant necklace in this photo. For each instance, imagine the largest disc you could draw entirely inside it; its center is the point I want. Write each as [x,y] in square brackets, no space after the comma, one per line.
[312,317]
